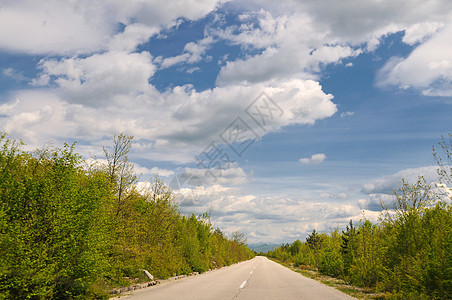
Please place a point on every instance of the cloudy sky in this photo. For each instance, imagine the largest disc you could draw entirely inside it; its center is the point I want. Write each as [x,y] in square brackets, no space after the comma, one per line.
[276,117]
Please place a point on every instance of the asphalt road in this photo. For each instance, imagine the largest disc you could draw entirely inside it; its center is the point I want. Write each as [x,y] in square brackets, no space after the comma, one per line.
[258,278]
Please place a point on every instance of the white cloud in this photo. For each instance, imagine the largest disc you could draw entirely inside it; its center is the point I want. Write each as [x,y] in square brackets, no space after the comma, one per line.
[346,114]
[199,117]
[55,27]
[275,219]
[376,202]
[387,184]
[110,91]
[299,37]
[132,36]
[232,175]
[314,159]
[382,190]
[171,61]
[366,21]
[292,46]
[193,53]
[428,68]
[49,27]
[33,112]
[146,172]
[100,79]
[192,70]
[6,108]
[140,171]
[12,73]
[444,191]
[331,54]
[334,196]
[419,32]
[106,90]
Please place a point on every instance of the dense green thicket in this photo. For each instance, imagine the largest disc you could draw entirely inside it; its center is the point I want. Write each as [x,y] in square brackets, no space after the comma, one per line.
[407,255]
[71,230]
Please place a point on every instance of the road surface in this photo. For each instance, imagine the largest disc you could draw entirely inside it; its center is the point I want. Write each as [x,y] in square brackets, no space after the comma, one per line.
[258,278]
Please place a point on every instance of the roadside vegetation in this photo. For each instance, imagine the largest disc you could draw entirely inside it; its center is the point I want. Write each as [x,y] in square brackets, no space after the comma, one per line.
[406,255]
[73,228]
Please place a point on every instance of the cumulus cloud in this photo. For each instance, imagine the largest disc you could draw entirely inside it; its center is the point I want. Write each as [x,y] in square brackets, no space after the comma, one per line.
[53,27]
[49,27]
[275,219]
[363,22]
[193,53]
[314,159]
[33,112]
[6,108]
[291,46]
[376,202]
[111,92]
[428,68]
[381,191]
[419,32]
[100,79]
[146,172]
[387,184]
[132,36]
[232,175]
[299,37]
[101,87]
[141,171]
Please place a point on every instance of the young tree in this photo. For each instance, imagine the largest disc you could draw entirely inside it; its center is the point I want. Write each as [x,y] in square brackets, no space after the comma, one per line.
[314,243]
[295,248]
[313,240]
[444,161]
[239,237]
[349,246]
[120,170]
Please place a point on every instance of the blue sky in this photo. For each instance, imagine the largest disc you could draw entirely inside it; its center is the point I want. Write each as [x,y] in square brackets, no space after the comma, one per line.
[330,104]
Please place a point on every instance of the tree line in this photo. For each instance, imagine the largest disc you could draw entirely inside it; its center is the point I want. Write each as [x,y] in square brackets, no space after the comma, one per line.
[406,255]
[72,229]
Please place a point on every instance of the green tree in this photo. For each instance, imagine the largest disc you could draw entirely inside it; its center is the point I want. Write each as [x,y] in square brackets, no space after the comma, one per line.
[349,246]
[70,230]
[120,170]
[295,248]
[331,262]
[51,244]
[314,243]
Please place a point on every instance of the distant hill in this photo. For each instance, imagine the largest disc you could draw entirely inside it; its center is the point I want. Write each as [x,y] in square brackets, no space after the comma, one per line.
[263,247]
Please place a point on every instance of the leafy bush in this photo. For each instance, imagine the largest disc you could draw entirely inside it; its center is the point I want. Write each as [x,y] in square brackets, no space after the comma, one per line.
[71,230]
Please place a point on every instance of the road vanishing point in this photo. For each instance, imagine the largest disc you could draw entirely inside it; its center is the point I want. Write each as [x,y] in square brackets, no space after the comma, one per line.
[258,278]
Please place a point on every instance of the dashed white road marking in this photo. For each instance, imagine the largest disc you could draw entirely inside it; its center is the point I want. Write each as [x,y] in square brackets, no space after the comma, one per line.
[251,272]
[242,285]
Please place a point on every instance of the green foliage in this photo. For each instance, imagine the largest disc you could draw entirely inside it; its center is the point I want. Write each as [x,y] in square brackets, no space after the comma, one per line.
[71,230]
[50,208]
[331,262]
[407,255]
